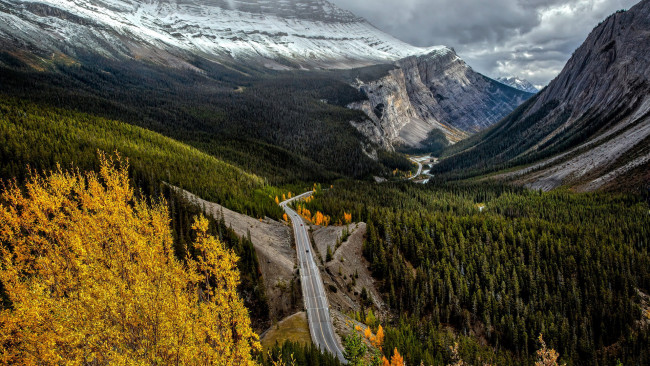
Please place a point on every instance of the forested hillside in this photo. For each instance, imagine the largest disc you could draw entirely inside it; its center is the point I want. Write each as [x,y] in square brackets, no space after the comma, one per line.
[503,265]
[41,137]
[283,126]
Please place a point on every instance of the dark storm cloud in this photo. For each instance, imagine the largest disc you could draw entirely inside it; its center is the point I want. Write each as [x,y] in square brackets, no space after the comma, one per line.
[529,38]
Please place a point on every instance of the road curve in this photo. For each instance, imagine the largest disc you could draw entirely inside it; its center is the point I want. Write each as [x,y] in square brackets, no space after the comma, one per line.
[313,291]
[419,168]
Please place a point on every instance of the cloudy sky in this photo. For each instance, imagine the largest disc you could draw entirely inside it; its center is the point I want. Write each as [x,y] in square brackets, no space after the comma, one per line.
[532,39]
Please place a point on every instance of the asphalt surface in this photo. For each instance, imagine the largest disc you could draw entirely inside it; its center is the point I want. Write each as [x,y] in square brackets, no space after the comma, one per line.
[419,169]
[318,312]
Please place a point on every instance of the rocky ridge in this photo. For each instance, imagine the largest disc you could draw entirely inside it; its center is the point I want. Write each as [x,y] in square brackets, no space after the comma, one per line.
[433,91]
[590,128]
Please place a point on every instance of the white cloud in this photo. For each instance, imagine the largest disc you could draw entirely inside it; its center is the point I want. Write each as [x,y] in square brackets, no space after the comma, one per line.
[529,38]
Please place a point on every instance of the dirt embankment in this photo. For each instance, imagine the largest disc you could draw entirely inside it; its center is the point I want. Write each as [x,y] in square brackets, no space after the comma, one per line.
[273,243]
[292,328]
[347,274]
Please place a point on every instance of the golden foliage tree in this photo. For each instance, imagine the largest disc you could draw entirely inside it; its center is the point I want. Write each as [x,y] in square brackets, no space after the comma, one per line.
[379,338]
[397,359]
[455,356]
[546,356]
[91,278]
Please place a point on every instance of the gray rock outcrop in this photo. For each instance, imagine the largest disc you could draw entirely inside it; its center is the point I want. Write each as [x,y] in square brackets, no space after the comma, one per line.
[434,91]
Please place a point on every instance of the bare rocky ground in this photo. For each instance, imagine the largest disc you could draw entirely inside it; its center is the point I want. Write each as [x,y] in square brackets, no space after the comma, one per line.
[324,237]
[274,246]
[347,274]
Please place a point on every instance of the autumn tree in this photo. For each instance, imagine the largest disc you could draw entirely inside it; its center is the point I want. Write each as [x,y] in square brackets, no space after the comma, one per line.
[455,356]
[379,337]
[397,359]
[546,356]
[90,276]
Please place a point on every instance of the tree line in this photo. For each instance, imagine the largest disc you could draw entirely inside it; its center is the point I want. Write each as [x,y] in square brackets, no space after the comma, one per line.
[570,266]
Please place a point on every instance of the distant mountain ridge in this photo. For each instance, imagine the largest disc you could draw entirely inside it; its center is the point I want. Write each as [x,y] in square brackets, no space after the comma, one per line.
[590,128]
[518,83]
[434,89]
[277,34]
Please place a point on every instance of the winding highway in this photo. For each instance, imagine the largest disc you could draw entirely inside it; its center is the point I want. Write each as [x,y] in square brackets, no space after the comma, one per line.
[318,312]
[419,168]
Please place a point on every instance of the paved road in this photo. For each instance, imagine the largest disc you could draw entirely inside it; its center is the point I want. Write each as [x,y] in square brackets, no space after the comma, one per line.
[318,313]
[419,169]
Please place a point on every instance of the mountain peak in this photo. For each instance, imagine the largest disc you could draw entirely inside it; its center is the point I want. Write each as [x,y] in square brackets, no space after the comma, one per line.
[518,83]
[590,126]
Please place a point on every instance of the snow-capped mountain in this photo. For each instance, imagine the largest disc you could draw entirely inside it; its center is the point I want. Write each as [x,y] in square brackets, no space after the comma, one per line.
[279,33]
[517,83]
[432,87]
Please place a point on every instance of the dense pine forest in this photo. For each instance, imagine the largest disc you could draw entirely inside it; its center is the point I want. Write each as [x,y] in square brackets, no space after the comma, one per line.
[488,266]
[505,264]
[293,353]
[41,137]
[284,126]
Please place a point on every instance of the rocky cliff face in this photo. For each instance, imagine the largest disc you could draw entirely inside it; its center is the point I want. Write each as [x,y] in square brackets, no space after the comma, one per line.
[434,91]
[590,128]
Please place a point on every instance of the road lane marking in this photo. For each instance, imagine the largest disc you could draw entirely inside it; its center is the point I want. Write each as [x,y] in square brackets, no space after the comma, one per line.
[311,274]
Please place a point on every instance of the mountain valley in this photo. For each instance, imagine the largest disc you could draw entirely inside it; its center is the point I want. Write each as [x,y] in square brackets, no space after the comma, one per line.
[281,183]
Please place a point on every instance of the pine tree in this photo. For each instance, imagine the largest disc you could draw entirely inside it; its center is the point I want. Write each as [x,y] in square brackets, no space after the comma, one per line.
[354,349]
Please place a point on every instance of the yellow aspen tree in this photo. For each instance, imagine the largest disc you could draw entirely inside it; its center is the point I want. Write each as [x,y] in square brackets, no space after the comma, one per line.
[91,276]
[284,198]
[368,334]
[546,356]
[277,200]
[397,359]
[285,217]
[379,338]
[289,194]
